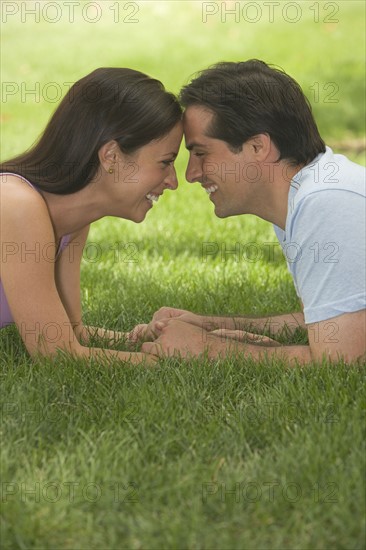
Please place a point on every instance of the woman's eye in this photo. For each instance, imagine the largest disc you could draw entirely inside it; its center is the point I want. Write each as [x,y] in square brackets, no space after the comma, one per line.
[168,162]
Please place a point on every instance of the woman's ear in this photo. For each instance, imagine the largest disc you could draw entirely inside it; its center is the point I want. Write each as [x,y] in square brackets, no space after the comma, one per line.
[108,155]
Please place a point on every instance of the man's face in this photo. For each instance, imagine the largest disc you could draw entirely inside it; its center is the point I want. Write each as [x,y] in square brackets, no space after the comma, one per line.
[229,178]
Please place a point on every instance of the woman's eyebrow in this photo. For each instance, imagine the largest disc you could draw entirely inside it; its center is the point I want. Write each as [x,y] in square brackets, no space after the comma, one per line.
[172,154]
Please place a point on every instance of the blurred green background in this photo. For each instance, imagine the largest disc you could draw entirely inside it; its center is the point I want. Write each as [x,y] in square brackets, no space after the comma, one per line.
[46,45]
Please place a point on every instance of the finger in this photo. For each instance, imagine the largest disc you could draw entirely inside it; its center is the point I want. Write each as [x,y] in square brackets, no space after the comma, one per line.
[153,348]
[143,359]
[158,326]
[239,335]
[259,338]
[244,336]
[166,313]
[176,322]
[227,333]
[151,360]
[136,333]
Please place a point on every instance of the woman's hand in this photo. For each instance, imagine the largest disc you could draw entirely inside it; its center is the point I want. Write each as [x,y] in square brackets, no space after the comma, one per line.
[152,330]
[167,313]
[137,334]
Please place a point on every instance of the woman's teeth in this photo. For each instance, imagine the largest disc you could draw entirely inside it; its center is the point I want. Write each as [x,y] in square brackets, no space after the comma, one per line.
[151,197]
[211,189]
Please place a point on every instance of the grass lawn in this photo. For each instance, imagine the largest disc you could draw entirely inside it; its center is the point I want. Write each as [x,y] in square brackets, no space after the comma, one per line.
[227,455]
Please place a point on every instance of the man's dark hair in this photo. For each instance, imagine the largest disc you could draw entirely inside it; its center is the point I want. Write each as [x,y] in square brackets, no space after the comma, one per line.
[251,98]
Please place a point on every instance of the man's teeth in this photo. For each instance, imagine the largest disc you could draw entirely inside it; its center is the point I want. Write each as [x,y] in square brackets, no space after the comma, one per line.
[211,189]
[152,197]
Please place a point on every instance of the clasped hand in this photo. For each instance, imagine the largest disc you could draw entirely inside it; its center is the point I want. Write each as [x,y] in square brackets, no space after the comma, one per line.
[177,332]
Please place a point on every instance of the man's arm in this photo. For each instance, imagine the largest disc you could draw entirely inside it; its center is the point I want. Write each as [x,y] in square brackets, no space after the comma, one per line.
[186,341]
[342,337]
[339,337]
[275,325]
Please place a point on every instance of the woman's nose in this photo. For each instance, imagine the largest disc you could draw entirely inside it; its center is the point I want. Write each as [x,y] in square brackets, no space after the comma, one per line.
[171,181]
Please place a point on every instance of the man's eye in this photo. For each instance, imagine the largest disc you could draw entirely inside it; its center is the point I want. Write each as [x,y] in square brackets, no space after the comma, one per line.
[198,154]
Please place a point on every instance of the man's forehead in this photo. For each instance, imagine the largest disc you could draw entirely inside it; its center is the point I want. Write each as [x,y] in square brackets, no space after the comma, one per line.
[197,114]
[196,119]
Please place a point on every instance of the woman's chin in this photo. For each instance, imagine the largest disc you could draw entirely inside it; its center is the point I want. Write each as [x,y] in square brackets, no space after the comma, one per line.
[138,214]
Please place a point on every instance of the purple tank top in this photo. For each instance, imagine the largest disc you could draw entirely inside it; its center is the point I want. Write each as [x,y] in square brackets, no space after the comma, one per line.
[6,317]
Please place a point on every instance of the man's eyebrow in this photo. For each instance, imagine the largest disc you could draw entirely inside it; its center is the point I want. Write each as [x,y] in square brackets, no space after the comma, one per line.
[192,145]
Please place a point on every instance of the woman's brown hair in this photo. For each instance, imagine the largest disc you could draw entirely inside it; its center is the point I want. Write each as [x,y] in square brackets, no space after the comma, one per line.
[108,104]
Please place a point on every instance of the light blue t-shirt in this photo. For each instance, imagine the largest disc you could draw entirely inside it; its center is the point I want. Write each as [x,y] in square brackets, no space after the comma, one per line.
[324,237]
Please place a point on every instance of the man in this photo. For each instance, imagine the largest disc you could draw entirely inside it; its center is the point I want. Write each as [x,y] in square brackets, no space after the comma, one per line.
[255,147]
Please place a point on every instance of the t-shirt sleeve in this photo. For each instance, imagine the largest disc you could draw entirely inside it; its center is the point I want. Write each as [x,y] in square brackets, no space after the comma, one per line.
[325,252]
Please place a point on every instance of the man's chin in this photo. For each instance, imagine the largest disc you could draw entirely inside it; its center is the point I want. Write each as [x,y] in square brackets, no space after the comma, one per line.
[227,212]
[219,213]
[137,217]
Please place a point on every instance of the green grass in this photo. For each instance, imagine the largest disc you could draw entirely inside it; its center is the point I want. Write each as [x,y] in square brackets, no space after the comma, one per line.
[128,457]
[136,458]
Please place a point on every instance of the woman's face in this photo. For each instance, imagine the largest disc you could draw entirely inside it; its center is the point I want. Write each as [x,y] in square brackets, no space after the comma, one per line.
[140,179]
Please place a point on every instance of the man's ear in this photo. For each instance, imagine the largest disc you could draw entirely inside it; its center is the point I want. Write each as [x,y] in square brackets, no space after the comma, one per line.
[260,147]
[108,154]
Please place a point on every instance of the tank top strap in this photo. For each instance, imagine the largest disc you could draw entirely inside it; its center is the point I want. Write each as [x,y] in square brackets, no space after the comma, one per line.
[22,178]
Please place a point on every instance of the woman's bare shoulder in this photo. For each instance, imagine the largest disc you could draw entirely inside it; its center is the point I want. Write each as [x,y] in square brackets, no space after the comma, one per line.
[21,205]
[16,187]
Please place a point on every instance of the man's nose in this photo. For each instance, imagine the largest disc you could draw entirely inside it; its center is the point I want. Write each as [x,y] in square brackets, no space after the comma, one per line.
[193,171]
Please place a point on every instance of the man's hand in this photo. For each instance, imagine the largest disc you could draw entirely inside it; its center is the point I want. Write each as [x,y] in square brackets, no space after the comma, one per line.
[166,313]
[144,359]
[244,336]
[179,339]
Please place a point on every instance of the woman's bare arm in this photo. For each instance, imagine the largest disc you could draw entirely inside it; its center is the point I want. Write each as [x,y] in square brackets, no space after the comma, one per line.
[29,281]
[67,276]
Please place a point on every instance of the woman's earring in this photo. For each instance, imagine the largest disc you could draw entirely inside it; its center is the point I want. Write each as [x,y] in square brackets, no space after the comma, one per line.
[110,171]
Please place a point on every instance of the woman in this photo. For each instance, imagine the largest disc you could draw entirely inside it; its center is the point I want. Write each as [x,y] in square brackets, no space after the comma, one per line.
[108,150]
